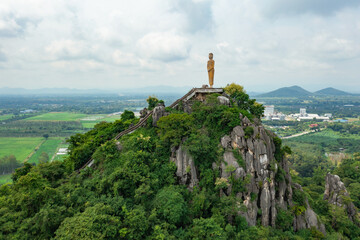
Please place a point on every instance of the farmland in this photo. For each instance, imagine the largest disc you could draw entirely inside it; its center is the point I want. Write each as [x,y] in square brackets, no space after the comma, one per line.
[90,121]
[330,141]
[5,178]
[57,116]
[19,147]
[49,146]
[6,117]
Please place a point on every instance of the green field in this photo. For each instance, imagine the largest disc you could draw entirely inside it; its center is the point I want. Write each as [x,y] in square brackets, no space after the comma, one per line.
[330,141]
[5,117]
[49,146]
[57,116]
[19,147]
[100,118]
[5,178]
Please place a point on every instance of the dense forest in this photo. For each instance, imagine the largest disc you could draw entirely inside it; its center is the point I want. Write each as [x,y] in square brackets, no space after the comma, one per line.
[133,190]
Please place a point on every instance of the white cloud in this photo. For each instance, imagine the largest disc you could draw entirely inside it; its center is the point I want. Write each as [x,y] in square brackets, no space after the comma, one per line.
[131,43]
[164,46]
[125,59]
[69,49]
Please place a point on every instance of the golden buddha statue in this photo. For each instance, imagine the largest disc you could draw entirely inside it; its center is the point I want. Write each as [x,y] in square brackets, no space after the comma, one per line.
[211,70]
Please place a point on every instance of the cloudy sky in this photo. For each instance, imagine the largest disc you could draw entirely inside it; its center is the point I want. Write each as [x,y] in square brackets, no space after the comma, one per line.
[261,44]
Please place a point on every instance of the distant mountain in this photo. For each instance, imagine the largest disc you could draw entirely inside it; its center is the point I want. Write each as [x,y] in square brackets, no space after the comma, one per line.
[332,91]
[294,91]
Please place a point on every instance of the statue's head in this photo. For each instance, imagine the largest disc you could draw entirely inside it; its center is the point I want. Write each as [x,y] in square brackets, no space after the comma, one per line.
[211,56]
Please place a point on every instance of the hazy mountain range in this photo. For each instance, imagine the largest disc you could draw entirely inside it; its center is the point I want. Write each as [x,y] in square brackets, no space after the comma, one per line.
[296,91]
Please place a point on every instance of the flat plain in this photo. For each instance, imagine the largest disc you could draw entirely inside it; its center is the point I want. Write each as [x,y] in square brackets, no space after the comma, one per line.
[57,116]
[19,147]
[49,146]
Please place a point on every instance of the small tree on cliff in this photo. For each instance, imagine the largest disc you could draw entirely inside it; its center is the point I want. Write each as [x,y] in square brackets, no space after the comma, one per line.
[243,101]
[152,101]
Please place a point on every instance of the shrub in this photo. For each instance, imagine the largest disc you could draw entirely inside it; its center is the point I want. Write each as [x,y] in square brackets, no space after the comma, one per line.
[248,131]
[284,220]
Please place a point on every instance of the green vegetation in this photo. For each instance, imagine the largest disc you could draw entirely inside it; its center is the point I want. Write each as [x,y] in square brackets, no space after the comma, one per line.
[6,178]
[49,147]
[330,141]
[40,128]
[6,117]
[19,147]
[243,100]
[91,120]
[8,164]
[57,116]
[132,192]
[152,101]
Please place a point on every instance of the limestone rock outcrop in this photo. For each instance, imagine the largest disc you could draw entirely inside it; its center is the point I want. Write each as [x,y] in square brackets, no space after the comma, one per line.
[224,100]
[336,194]
[266,187]
[308,219]
[158,112]
[143,112]
[186,170]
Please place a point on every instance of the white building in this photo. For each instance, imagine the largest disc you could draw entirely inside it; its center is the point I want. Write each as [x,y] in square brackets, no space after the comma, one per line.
[303,112]
[269,110]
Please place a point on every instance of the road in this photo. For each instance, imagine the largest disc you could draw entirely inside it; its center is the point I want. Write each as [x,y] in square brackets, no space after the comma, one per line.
[298,134]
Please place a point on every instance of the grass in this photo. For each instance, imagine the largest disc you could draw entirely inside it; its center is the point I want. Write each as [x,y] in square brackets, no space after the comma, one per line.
[5,179]
[91,123]
[19,147]
[49,146]
[6,116]
[61,157]
[57,116]
[330,141]
[87,121]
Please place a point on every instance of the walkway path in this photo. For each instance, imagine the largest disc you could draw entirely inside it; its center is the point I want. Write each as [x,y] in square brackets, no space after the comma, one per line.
[142,122]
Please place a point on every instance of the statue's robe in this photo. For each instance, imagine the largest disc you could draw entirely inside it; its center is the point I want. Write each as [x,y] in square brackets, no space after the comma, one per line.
[211,71]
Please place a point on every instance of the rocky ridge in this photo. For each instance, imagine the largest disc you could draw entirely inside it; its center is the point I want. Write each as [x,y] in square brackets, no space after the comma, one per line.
[336,194]
[249,157]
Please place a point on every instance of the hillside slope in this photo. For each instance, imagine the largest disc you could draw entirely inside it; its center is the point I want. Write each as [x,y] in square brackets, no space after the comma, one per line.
[205,170]
[332,91]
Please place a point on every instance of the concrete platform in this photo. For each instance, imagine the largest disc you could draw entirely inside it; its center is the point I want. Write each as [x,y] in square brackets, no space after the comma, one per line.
[204,91]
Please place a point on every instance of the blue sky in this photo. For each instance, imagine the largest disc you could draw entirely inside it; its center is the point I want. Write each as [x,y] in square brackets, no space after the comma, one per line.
[261,44]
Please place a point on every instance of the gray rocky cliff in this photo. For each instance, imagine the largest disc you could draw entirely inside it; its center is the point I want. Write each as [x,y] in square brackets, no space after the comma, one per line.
[185,167]
[266,186]
[158,112]
[307,219]
[336,194]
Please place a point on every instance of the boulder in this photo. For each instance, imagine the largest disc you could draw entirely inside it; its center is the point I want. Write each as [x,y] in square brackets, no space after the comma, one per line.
[158,112]
[223,100]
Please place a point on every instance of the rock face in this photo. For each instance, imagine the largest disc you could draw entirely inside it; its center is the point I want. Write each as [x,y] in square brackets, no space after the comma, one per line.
[254,153]
[336,194]
[266,187]
[223,100]
[186,170]
[143,112]
[159,111]
[308,219]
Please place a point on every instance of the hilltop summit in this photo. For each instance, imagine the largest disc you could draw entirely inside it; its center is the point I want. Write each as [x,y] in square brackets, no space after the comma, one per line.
[293,91]
[203,168]
[332,91]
